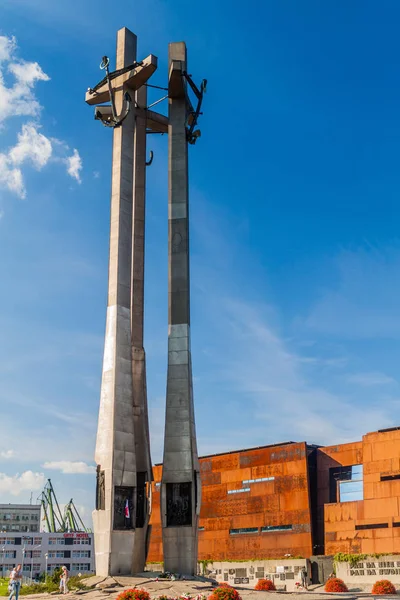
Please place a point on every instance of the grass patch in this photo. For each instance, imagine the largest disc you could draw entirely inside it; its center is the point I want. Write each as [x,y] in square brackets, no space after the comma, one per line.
[74,583]
[3,587]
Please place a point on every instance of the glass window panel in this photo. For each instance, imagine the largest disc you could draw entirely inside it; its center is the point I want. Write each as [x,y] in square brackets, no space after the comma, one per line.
[357,471]
[351,491]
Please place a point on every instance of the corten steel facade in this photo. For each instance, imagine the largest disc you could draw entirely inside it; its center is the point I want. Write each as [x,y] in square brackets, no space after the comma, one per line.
[255,504]
[370,524]
[296,499]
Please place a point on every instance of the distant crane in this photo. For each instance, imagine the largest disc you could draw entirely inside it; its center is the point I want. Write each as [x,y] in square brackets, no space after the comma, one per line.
[56,521]
[51,509]
[72,520]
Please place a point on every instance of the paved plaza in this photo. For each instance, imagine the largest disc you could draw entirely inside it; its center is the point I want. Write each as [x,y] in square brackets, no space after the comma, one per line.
[108,588]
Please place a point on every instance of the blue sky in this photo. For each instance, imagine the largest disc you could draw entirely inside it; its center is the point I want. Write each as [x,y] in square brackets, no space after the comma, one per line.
[295,249]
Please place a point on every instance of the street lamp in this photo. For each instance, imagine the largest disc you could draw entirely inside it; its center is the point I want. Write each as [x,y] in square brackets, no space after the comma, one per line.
[22,565]
[47,558]
[3,551]
[34,548]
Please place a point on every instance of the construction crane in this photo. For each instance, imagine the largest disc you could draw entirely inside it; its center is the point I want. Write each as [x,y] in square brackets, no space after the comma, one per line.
[57,522]
[51,509]
[72,521]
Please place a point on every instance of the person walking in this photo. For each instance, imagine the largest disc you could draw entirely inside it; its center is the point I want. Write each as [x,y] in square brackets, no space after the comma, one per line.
[64,580]
[304,578]
[15,582]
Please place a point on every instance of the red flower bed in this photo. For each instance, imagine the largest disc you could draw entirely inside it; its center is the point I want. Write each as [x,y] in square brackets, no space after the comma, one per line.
[383,587]
[265,585]
[335,585]
[224,593]
[223,584]
[133,595]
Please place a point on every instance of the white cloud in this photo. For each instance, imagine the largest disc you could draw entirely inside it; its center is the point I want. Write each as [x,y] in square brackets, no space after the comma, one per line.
[26,482]
[18,78]
[74,165]
[69,467]
[11,177]
[33,147]
[27,73]
[7,454]
[273,382]
[18,99]
[96,174]
[7,47]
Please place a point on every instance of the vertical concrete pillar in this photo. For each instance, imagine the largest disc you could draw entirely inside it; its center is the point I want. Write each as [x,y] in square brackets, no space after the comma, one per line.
[114,519]
[180,489]
[141,420]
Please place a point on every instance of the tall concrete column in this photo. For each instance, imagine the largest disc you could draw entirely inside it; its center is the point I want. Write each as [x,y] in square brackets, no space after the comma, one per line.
[115,446]
[180,489]
[141,420]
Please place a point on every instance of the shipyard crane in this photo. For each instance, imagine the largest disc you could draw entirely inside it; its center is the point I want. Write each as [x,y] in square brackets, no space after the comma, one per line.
[57,522]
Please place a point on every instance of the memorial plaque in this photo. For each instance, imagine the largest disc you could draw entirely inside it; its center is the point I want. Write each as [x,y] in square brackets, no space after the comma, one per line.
[179,504]
[123,508]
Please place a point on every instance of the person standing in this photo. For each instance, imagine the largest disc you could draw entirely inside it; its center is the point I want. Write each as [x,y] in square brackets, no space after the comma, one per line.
[15,582]
[64,579]
[304,578]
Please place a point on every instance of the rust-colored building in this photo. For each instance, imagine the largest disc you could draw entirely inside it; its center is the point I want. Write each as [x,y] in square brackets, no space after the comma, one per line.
[255,504]
[296,499]
[365,518]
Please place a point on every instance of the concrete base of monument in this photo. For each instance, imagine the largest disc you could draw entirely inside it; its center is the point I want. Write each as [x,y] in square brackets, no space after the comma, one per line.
[113,550]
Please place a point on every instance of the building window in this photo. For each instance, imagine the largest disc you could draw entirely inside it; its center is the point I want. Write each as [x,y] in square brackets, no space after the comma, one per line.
[373,526]
[243,530]
[54,566]
[346,484]
[390,477]
[27,541]
[238,491]
[80,567]
[52,541]
[61,541]
[276,528]
[259,480]
[81,554]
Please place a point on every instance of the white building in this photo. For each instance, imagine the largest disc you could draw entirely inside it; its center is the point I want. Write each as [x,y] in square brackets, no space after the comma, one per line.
[19,517]
[40,551]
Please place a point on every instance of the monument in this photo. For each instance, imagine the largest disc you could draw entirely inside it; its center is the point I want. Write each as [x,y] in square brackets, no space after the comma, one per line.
[124,472]
[180,487]
[122,454]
